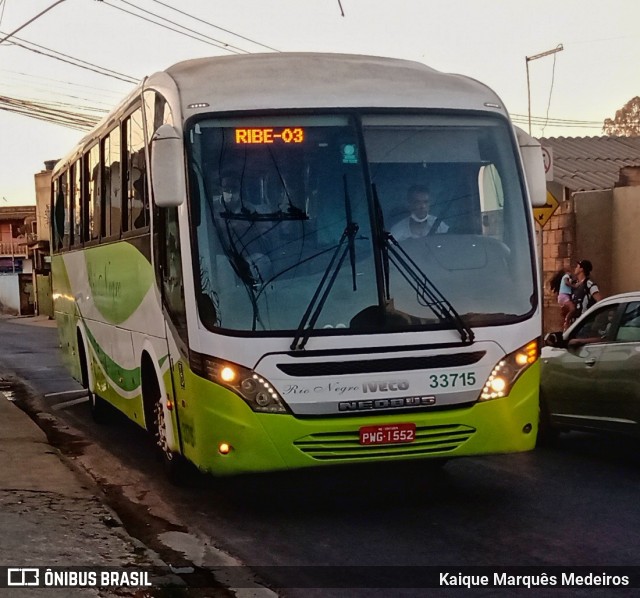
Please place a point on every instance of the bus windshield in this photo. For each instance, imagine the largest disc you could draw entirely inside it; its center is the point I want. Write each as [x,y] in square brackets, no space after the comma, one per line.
[335,223]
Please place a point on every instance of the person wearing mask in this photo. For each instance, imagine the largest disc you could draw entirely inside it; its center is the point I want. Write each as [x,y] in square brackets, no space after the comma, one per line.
[420,222]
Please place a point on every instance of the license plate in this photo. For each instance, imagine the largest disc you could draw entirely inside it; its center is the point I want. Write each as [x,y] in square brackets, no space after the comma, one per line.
[388,434]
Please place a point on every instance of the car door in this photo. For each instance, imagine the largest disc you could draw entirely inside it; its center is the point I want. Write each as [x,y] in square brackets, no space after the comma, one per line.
[619,373]
[571,374]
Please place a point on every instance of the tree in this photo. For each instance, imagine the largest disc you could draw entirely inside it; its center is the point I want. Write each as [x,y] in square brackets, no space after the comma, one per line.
[626,122]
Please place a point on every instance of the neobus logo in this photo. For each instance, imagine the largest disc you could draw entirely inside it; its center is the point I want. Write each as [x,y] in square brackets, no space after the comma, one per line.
[395,403]
[385,386]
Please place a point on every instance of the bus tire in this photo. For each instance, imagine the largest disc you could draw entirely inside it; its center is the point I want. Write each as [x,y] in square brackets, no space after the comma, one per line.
[175,466]
[100,409]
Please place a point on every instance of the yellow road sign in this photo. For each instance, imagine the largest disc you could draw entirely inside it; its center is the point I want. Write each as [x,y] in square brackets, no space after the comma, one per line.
[543,213]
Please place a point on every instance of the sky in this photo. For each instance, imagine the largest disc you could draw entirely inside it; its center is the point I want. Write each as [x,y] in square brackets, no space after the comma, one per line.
[572,91]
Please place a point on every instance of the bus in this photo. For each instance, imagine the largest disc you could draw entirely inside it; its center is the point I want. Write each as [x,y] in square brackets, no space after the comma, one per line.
[225,271]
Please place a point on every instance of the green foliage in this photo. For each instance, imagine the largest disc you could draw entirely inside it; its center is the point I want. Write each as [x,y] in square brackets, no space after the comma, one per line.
[626,122]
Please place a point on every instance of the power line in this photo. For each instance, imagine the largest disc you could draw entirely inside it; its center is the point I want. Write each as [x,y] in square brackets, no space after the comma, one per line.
[71,60]
[559,121]
[541,123]
[215,26]
[3,3]
[30,21]
[553,77]
[64,84]
[218,44]
[49,113]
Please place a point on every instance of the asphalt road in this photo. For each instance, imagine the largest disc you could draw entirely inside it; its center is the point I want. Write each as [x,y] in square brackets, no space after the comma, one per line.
[573,504]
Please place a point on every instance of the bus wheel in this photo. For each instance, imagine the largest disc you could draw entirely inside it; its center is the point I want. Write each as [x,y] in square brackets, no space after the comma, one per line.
[175,465]
[100,409]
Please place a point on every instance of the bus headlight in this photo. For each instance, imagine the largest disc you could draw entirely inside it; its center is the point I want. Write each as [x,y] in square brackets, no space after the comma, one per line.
[252,388]
[508,370]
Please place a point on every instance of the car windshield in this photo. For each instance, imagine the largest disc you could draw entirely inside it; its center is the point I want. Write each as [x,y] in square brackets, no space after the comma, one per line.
[293,218]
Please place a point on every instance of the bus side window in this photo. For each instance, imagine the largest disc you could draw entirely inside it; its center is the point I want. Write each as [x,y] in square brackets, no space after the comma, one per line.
[166,229]
[94,211]
[112,183]
[137,196]
[66,210]
[171,269]
[76,203]
[58,213]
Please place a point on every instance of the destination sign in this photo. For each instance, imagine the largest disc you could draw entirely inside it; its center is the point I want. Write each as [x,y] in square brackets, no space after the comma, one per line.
[267,135]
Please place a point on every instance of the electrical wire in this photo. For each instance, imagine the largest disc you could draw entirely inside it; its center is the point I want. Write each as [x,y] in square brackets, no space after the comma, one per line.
[31,20]
[556,122]
[50,85]
[553,76]
[3,4]
[71,60]
[252,41]
[49,113]
[216,43]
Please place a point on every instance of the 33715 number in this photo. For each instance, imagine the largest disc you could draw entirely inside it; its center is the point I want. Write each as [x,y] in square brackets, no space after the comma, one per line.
[453,380]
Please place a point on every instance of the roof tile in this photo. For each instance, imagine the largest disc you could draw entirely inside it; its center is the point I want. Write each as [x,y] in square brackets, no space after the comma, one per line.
[591,163]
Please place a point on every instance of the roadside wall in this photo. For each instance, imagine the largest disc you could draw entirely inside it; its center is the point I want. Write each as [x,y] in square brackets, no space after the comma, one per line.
[10,293]
[625,246]
[594,234]
[581,228]
[44,302]
[601,226]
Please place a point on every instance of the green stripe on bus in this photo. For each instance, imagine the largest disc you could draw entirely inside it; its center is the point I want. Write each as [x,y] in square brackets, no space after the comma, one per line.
[127,380]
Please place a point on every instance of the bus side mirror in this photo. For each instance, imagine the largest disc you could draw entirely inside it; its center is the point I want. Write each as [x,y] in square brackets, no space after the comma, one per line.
[167,167]
[533,163]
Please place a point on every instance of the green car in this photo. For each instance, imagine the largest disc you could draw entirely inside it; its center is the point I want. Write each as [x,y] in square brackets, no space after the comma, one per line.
[590,377]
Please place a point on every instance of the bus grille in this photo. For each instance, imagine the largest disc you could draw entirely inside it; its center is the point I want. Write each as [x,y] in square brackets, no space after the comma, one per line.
[395,364]
[338,446]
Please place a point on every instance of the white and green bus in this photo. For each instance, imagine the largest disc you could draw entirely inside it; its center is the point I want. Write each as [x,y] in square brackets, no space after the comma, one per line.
[225,271]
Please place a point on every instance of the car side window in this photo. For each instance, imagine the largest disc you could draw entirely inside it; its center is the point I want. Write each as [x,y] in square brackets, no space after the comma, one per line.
[629,329]
[598,327]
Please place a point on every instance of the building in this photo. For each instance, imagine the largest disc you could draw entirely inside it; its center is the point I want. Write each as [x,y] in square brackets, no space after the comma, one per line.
[18,228]
[596,182]
[39,249]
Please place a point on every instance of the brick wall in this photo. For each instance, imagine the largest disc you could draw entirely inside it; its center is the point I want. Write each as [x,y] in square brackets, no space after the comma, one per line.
[558,251]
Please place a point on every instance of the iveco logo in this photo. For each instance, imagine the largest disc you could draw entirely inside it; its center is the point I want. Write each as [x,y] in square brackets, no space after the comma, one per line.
[395,403]
[385,386]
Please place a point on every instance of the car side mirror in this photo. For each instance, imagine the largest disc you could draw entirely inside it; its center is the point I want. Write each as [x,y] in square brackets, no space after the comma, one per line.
[555,339]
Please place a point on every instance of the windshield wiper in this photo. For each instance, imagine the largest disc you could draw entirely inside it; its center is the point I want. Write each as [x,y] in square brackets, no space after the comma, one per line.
[428,294]
[312,313]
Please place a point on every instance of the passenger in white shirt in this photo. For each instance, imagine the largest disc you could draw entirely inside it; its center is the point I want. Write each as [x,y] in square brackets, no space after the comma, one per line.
[419,223]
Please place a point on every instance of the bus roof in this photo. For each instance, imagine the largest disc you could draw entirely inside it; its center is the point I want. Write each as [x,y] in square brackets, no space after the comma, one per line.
[313,80]
[305,80]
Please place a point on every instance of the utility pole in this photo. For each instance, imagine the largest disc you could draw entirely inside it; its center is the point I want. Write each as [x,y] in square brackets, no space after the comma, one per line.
[539,232]
[528,59]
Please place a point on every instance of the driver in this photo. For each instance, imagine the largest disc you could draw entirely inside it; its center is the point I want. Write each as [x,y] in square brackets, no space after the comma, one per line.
[420,222]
